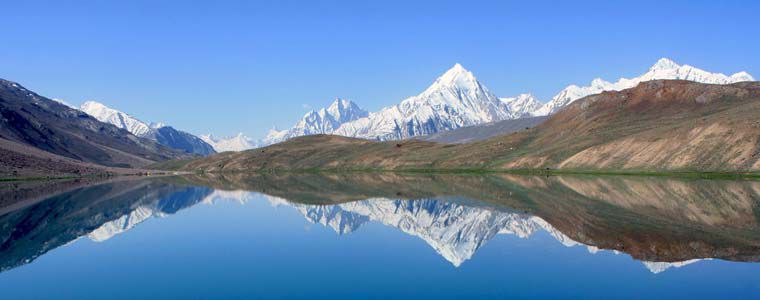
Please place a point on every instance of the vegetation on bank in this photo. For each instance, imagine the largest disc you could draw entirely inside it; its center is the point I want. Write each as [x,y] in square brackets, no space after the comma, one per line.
[485,171]
[99,175]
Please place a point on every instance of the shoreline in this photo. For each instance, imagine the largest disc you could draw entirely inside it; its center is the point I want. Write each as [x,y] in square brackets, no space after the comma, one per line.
[91,176]
[533,172]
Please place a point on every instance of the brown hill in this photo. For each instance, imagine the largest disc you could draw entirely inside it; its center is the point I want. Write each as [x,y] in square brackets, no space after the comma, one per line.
[655,126]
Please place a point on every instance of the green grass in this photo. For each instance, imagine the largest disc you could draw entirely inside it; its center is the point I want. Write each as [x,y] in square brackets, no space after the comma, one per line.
[100,175]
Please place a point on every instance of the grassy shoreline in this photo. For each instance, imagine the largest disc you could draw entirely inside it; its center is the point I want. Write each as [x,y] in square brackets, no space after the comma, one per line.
[89,176]
[535,172]
[460,171]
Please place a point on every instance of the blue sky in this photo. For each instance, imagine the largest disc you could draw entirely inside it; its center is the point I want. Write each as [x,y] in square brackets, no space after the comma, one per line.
[245,66]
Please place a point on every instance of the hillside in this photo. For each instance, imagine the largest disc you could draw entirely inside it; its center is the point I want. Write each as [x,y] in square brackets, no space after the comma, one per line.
[24,161]
[33,120]
[655,126]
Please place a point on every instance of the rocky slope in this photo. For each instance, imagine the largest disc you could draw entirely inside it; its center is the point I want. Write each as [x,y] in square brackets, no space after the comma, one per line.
[656,126]
[30,119]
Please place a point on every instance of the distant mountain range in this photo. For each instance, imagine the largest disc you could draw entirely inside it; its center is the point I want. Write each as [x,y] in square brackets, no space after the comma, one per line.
[239,142]
[159,132]
[663,69]
[457,99]
[323,121]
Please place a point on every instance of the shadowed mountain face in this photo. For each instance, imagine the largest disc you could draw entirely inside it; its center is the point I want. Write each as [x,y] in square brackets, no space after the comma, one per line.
[662,222]
[30,119]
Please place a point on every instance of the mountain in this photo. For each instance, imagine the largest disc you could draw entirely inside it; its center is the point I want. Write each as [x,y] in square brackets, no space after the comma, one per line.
[456,99]
[663,69]
[485,131]
[522,105]
[239,142]
[661,125]
[30,119]
[117,118]
[325,120]
[161,133]
[180,140]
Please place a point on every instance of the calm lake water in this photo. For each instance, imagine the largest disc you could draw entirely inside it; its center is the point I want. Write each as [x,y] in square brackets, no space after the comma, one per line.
[381,236]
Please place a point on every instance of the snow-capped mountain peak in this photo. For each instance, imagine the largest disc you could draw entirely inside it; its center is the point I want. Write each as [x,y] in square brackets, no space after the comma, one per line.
[455,76]
[741,76]
[238,142]
[118,118]
[322,121]
[343,110]
[522,105]
[455,99]
[664,64]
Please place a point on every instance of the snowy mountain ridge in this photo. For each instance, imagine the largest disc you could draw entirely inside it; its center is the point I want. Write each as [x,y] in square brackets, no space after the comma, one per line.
[118,118]
[664,68]
[159,132]
[455,99]
[239,142]
[322,121]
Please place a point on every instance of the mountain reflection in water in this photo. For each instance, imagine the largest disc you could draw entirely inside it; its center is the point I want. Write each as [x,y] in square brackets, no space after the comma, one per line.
[662,222]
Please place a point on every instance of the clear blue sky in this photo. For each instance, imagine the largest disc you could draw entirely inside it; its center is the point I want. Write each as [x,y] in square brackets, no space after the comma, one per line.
[244,66]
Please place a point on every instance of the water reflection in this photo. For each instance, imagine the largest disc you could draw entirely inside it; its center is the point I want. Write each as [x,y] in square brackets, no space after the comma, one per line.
[664,223]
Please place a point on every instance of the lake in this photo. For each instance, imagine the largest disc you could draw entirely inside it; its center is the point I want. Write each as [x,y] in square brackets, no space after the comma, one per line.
[381,236]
